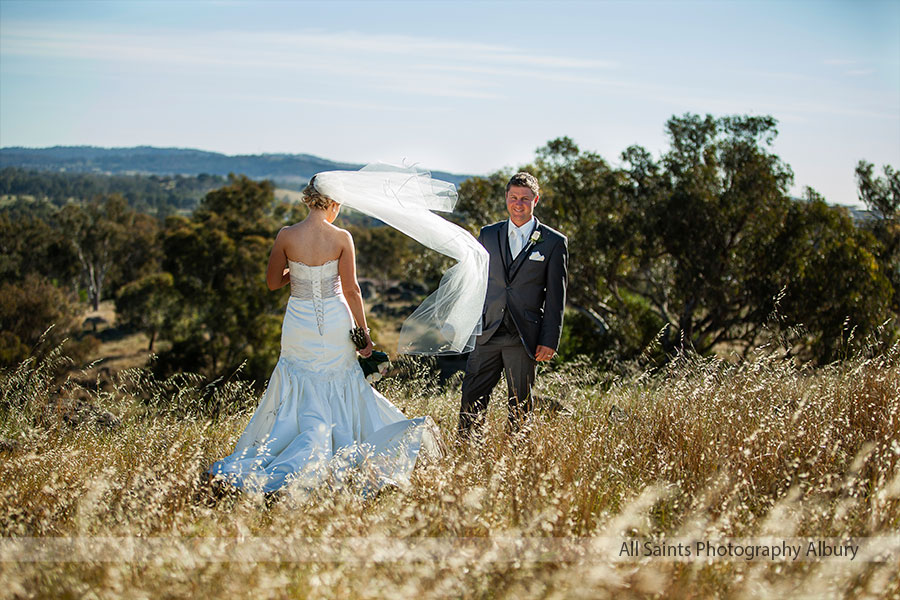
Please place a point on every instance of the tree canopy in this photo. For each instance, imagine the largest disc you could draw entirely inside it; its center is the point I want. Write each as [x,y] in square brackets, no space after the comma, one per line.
[702,248]
[223,314]
[699,249]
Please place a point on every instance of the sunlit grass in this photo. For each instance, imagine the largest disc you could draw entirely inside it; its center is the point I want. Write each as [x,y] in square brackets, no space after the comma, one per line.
[700,448]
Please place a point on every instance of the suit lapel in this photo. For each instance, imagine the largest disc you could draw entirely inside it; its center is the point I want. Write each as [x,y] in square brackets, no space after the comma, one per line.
[503,244]
[522,257]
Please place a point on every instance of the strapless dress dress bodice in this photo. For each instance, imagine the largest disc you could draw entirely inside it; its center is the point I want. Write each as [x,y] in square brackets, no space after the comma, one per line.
[315,284]
[312,282]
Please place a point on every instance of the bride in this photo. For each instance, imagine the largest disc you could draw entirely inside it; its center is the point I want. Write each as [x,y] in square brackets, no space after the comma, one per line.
[319,419]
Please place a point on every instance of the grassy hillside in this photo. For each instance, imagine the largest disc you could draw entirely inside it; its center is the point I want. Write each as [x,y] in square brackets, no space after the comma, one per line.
[702,450]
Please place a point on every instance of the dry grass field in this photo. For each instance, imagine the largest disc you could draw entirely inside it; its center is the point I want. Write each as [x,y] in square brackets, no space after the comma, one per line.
[701,450]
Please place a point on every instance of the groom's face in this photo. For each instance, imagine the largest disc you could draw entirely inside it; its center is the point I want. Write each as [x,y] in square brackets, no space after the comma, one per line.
[520,203]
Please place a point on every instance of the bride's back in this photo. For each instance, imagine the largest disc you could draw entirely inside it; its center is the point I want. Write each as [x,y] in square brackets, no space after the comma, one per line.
[312,243]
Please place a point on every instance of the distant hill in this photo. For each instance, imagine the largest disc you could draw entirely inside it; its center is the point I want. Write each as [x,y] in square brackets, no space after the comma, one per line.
[287,170]
[157,194]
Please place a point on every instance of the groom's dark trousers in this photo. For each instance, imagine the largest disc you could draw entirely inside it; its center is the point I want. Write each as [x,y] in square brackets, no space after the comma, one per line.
[503,353]
[523,309]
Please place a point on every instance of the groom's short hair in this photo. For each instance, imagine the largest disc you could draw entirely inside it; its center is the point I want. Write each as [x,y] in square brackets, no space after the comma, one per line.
[523,179]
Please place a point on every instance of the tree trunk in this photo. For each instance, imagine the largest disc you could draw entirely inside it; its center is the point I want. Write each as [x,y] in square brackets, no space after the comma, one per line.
[686,325]
[100,275]
[599,323]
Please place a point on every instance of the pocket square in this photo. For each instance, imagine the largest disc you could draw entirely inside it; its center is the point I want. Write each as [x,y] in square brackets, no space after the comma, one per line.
[536,256]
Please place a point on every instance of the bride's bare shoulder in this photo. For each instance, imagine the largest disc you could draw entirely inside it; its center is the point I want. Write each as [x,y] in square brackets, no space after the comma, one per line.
[283,233]
[345,239]
[341,232]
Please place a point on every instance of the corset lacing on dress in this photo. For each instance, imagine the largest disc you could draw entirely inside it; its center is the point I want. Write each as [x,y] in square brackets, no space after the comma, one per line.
[315,283]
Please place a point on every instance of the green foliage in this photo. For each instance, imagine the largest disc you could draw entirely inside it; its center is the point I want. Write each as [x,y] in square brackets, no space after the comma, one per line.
[32,243]
[145,303]
[101,244]
[579,197]
[882,197]
[147,193]
[580,338]
[27,310]
[382,252]
[700,249]
[481,201]
[719,200]
[224,315]
[111,242]
[293,212]
[244,207]
[834,285]
[879,195]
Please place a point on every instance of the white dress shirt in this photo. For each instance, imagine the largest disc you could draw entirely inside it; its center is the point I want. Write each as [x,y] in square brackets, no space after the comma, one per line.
[518,236]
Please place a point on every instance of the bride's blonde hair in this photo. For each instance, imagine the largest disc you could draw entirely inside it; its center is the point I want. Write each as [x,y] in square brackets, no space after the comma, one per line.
[313,198]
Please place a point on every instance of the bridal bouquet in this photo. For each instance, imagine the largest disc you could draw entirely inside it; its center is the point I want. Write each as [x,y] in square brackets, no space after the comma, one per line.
[375,366]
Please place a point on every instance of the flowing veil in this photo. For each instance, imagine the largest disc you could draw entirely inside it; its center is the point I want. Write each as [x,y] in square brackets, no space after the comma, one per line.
[405,198]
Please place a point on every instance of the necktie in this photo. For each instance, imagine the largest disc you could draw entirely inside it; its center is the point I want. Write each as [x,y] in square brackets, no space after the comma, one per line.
[517,243]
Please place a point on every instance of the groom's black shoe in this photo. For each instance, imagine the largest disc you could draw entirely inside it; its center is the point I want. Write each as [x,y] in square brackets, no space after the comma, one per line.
[470,428]
[518,414]
[270,498]
[213,488]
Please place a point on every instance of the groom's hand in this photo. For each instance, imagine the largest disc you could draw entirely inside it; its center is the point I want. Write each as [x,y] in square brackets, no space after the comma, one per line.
[543,353]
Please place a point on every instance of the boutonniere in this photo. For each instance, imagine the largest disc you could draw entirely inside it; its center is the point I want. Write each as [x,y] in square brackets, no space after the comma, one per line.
[536,237]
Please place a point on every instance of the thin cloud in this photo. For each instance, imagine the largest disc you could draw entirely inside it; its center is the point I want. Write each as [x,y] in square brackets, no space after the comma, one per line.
[529,74]
[262,49]
[330,102]
[377,62]
[785,76]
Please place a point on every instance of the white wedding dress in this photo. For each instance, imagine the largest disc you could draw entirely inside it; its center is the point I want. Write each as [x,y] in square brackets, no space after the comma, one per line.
[319,420]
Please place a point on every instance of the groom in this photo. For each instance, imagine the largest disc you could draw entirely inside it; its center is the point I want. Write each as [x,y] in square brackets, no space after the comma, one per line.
[523,310]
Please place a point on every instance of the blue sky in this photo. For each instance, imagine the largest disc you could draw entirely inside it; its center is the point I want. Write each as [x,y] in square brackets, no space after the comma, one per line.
[468,87]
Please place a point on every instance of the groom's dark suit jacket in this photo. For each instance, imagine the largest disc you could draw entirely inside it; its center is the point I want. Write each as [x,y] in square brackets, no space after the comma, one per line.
[532,287]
